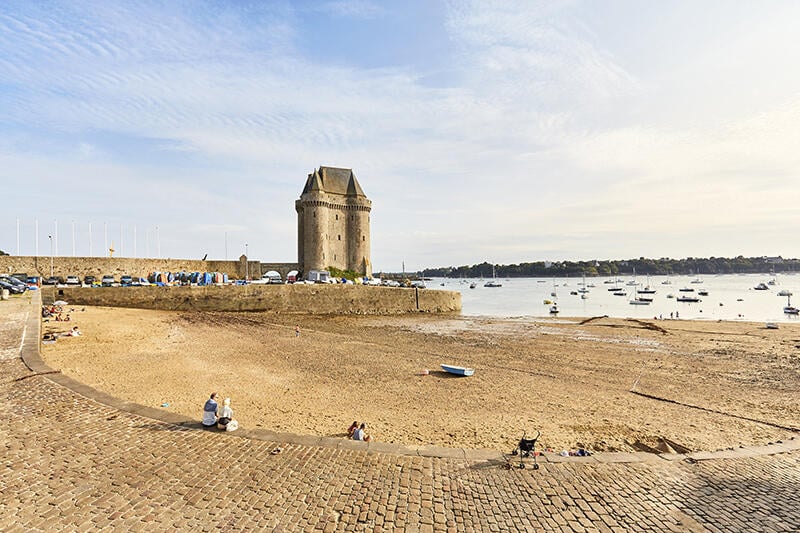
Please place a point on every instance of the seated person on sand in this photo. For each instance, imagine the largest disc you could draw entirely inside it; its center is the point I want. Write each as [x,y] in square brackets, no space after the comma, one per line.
[226,421]
[210,411]
[352,429]
[360,434]
[75,332]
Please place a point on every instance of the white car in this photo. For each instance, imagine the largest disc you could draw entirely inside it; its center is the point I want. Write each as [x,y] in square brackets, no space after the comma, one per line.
[73,280]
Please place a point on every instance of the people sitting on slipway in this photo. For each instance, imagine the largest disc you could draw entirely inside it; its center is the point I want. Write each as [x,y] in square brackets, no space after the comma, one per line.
[360,433]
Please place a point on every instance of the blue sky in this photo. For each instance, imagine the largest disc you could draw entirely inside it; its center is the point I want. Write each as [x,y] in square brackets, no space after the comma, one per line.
[486,130]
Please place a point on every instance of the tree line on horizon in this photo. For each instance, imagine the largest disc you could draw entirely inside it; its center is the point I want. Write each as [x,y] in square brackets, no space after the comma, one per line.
[642,266]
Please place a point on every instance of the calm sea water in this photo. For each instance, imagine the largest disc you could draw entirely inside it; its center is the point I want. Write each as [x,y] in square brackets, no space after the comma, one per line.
[730,297]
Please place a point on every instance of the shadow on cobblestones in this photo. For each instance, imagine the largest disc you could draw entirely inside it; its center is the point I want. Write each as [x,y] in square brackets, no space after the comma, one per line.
[723,494]
[172,428]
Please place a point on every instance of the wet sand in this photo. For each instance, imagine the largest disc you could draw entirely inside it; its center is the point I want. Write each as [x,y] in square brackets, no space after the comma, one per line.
[572,382]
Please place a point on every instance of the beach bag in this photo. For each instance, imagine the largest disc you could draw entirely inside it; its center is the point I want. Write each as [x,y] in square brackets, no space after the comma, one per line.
[233,425]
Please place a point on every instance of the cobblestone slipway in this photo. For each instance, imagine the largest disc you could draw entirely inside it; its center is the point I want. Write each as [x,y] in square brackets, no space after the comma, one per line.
[76,460]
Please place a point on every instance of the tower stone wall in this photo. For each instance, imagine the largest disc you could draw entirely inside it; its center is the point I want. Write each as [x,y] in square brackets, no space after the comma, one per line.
[333,222]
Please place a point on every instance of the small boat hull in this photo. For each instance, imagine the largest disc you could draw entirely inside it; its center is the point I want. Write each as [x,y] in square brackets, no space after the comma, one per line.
[458,370]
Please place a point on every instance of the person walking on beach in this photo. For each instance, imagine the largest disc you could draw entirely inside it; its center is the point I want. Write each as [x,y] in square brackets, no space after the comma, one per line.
[210,411]
[297,331]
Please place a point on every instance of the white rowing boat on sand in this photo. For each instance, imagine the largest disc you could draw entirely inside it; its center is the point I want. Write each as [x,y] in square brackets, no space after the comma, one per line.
[458,370]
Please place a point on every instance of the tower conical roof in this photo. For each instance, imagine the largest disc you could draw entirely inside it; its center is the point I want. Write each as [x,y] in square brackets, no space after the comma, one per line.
[334,180]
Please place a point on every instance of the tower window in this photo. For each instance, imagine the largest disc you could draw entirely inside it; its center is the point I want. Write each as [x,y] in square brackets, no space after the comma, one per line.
[363,238]
[340,237]
[337,217]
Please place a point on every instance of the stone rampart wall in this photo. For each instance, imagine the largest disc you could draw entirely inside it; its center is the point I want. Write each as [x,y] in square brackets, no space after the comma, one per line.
[118,266]
[298,298]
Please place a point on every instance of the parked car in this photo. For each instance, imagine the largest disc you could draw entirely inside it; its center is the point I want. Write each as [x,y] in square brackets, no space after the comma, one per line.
[126,281]
[33,281]
[22,276]
[10,287]
[89,280]
[139,282]
[53,280]
[108,281]
[319,276]
[15,282]
[73,280]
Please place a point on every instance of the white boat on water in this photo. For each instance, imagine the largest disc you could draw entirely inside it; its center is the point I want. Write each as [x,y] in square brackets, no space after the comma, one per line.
[784,292]
[774,280]
[761,287]
[583,289]
[493,282]
[639,301]
[790,309]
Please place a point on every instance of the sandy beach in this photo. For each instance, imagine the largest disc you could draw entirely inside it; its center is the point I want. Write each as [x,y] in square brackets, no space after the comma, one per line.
[725,383]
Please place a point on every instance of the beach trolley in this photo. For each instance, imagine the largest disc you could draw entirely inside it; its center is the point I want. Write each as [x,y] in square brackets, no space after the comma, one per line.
[526,448]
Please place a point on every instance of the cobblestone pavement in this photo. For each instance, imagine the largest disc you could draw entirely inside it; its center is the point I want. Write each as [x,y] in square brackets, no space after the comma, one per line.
[72,463]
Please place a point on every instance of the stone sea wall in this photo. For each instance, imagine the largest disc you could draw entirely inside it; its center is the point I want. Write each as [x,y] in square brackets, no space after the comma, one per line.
[119,266]
[297,298]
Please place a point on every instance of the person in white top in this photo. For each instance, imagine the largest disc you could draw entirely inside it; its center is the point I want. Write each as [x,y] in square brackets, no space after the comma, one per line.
[226,421]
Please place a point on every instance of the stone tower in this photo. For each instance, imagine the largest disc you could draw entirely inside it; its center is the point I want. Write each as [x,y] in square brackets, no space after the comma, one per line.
[333,222]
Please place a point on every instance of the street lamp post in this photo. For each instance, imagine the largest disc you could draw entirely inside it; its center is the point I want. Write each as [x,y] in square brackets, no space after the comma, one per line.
[246,264]
[51,254]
